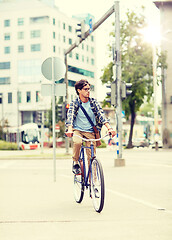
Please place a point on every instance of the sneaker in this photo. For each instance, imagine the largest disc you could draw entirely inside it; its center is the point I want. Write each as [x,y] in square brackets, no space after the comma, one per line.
[76,169]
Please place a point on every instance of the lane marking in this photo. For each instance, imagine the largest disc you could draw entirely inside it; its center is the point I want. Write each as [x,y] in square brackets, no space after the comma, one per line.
[145,203]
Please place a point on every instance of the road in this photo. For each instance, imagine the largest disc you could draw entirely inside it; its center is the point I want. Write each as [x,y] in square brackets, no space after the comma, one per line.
[138,202]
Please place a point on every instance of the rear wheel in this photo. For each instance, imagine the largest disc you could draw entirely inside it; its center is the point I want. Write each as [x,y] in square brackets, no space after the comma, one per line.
[97,185]
[78,187]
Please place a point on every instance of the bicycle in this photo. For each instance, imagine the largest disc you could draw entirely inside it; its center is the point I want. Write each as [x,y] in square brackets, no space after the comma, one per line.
[92,178]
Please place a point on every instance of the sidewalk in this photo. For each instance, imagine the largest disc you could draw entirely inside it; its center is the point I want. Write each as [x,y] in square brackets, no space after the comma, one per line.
[46,153]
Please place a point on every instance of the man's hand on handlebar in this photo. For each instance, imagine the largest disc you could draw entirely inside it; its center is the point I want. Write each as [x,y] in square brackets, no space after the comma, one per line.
[111,132]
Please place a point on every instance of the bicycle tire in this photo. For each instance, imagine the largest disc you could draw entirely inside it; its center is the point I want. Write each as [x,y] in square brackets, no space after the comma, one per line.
[97,185]
[78,187]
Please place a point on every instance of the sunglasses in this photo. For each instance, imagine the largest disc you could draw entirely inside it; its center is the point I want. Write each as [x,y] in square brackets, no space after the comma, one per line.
[86,89]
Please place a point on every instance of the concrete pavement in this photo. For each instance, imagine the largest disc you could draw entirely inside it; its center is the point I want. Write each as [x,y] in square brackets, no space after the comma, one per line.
[137,206]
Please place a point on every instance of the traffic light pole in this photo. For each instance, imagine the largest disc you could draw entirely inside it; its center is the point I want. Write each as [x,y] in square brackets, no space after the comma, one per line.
[73,46]
[117,75]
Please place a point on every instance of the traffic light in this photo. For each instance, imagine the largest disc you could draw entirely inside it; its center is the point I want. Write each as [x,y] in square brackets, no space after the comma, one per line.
[113,94]
[60,112]
[66,109]
[81,29]
[125,89]
[39,117]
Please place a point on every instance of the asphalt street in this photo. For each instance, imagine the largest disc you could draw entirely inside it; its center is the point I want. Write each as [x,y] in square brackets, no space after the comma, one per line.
[138,203]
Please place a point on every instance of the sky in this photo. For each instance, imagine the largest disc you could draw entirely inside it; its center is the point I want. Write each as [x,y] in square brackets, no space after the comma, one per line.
[98,8]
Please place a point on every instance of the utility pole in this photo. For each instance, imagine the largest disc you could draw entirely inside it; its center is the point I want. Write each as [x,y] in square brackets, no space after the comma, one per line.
[155,89]
[117,75]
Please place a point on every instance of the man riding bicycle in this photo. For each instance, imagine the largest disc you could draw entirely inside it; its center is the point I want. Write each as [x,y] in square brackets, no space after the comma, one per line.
[78,124]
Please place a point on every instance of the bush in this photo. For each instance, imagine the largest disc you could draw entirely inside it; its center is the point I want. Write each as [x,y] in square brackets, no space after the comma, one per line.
[8,145]
[103,145]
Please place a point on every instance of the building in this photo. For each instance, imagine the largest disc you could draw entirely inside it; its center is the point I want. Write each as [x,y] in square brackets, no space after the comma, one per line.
[165,8]
[31,31]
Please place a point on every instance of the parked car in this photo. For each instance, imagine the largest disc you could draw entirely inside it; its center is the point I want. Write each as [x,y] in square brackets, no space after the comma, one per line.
[140,142]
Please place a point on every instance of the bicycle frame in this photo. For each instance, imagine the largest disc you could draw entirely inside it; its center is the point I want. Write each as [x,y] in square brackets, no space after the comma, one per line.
[82,158]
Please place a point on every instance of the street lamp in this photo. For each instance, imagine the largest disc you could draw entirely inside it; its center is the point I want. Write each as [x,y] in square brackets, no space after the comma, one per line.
[151,34]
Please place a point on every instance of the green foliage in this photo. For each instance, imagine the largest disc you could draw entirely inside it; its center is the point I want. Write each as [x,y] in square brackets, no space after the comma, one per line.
[147,110]
[103,145]
[8,145]
[136,64]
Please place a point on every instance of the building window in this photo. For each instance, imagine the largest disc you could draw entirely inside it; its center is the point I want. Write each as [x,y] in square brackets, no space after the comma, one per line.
[70,41]
[92,38]
[87,59]
[20,48]
[19,97]
[29,71]
[7,50]
[70,28]
[35,47]
[4,80]
[10,97]
[87,48]
[54,35]
[82,46]
[7,36]
[28,97]
[37,96]
[35,34]
[43,19]
[82,58]
[20,21]
[64,39]
[70,54]
[92,61]
[20,35]
[54,48]
[5,65]
[64,26]
[80,71]
[54,21]
[92,50]
[7,23]
[77,56]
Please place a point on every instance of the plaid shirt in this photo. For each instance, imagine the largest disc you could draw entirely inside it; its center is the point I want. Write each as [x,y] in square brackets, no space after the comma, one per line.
[96,108]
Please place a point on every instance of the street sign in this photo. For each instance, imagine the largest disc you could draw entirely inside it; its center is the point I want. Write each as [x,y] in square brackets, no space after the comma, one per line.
[60,89]
[90,25]
[57,128]
[59,68]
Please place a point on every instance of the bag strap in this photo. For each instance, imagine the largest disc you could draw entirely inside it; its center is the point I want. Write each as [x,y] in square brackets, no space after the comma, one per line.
[88,117]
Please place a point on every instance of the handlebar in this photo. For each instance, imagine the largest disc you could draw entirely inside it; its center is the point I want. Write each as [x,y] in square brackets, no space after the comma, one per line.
[92,140]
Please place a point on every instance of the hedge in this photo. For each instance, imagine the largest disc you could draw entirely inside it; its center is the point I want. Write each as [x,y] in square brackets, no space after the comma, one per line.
[7,145]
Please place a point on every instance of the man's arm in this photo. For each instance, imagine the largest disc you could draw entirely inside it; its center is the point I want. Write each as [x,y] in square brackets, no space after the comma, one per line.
[110,129]
[69,133]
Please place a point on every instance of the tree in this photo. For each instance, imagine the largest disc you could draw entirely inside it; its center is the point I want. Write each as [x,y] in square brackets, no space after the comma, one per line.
[136,57]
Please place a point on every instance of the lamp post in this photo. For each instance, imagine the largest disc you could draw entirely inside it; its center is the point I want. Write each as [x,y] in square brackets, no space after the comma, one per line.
[155,88]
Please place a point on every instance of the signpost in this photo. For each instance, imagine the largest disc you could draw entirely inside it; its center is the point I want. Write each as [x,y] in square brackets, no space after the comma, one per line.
[53,68]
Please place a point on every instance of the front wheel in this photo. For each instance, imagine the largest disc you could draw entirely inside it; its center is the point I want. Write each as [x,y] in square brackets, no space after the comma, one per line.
[97,185]
[78,187]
